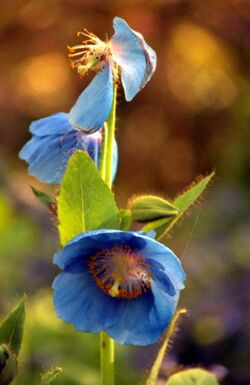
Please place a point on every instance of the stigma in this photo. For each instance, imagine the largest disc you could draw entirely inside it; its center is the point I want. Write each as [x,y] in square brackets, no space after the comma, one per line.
[92,54]
[120,272]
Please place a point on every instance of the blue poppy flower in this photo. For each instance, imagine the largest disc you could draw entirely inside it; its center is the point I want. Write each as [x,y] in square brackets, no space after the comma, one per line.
[126,57]
[125,283]
[53,141]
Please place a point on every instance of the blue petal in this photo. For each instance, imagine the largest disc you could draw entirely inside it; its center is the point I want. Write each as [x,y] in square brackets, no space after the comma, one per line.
[93,145]
[78,300]
[49,161]
[150,234]
[54,141]
[156,251]
[161,278]
[151,59]
[77,251]
[93,148]
[29,149]
[84,245]
[57,124]
[47,152]
[136,59]
[138,321]
[93,106]
[144,318]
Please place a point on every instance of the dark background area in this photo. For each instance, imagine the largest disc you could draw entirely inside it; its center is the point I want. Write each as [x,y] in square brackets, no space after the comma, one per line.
[193,117]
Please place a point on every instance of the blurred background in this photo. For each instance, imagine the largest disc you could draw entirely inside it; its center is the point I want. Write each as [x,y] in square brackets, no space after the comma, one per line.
[193,117]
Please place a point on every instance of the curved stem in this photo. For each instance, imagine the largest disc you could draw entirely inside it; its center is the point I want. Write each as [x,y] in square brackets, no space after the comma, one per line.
[107,344]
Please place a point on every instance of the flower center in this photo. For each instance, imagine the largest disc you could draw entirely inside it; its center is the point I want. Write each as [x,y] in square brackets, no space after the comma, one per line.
[92,54]
[120,272]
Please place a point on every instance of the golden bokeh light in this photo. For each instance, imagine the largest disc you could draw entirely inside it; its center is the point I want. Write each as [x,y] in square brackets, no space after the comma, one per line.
[43,82]
[200,69]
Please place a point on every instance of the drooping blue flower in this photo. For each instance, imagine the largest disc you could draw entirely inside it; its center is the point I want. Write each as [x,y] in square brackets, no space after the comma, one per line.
[53,141]
[126,58]
[125,283]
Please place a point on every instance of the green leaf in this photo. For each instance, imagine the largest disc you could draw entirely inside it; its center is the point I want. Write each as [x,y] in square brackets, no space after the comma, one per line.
[50,376]
[195,376]
[11,329]
[125,219]
[85,202]
[42,196]
[153,375]
[183,202]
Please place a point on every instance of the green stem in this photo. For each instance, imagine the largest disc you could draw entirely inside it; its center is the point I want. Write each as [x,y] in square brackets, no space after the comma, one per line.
[110,141]
[103,159]
[107,345]
[107,359]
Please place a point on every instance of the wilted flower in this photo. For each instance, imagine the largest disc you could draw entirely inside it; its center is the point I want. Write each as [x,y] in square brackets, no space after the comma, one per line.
[126,57]
[53,141]
[125,283]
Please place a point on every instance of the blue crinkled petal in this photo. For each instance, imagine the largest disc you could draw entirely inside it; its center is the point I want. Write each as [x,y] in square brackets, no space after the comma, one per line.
[136,59]
[93,106]
[78,300]
[144,318]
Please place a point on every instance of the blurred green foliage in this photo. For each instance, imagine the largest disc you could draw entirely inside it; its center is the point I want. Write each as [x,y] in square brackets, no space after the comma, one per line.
[18,235]
[49,341]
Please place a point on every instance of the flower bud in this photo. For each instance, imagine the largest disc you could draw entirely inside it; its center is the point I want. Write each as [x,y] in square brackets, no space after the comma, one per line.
[150,207]
[8,365]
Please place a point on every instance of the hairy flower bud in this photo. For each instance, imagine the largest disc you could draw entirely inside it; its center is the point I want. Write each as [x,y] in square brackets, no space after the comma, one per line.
[150,207]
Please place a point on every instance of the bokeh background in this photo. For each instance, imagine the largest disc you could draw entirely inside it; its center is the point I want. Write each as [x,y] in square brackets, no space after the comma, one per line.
[193,117]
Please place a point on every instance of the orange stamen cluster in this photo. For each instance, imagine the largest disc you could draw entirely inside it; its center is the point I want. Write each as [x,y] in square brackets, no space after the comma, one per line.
[92,53]
[120,272]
